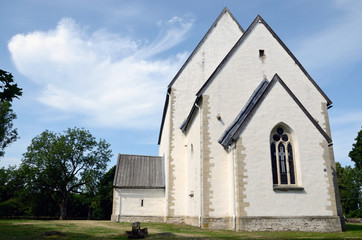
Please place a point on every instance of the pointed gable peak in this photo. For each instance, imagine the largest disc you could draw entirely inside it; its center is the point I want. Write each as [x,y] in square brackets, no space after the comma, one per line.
[233,131]
[226,10]
[245,35]
[223,12]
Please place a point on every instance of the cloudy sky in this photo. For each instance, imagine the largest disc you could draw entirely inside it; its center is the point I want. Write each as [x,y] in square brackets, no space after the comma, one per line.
[105,65]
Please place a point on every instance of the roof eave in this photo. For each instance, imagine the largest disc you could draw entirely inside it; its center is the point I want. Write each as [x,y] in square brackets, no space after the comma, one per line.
[237,129]
[259,19]
[225,10]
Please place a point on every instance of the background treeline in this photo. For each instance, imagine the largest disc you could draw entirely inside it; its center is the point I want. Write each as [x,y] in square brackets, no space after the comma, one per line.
[20,197]
[18,201]
[350,181]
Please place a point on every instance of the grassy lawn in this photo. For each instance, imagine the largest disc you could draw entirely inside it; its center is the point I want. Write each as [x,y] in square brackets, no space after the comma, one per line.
[34,229]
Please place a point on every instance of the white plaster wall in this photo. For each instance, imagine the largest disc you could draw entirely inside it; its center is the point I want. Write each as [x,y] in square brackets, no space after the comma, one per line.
[165,137]
[244,71]
[278,107]
[215,47]
[193,167]
[116,209]
[153,202]
[164,149]
[232,88]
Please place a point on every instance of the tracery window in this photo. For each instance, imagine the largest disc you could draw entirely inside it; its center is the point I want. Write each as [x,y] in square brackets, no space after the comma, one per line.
[282,157]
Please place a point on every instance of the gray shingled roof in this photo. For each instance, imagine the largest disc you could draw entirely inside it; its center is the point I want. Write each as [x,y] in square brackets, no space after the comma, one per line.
[134,171]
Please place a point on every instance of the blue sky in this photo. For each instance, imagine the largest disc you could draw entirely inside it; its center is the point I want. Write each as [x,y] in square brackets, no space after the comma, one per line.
[105,65]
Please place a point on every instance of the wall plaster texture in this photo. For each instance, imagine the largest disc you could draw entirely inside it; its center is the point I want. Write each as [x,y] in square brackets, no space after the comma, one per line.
[315,207]
[220,40]
[127,203]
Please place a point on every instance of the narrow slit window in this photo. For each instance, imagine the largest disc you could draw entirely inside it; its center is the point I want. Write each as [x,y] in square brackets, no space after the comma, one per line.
[141,202]
[274,163]
[261,53]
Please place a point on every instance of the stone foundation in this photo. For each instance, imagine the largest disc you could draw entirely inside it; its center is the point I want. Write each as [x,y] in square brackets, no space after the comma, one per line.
[304,224]
[225,223]
[249,224]
[193,221]
[119,218]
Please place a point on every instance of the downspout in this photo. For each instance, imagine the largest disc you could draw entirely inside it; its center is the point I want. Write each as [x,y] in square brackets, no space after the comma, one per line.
[200,187]
[232,148]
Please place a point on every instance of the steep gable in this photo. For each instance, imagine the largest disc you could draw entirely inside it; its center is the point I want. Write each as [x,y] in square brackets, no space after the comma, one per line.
[213,47]
[203,40]
[246,34]
[233,131]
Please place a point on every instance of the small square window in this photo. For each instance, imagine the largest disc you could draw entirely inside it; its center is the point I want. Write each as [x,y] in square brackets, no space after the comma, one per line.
[261,53]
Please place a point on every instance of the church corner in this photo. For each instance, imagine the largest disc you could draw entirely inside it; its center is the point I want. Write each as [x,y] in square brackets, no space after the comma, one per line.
[244,144]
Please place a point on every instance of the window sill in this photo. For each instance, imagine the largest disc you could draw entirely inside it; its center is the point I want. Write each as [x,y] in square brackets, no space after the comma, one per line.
[287,188]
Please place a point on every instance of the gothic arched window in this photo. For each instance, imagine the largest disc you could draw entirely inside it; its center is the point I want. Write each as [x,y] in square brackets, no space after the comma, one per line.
[282,158]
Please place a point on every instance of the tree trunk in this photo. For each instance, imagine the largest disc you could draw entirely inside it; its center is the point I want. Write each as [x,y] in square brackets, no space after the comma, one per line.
[89,213]
[63,206]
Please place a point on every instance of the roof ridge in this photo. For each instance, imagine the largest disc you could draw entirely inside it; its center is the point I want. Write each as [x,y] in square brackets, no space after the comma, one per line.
[226,58]
[225,10]
[137,155]
[235,128]
[230,131]
[259,19]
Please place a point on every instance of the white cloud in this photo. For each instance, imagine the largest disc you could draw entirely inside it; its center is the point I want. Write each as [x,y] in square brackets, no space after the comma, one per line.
[108,79]
[339,43]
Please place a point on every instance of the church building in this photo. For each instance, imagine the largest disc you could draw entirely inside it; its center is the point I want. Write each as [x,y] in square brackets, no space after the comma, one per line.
[245,142]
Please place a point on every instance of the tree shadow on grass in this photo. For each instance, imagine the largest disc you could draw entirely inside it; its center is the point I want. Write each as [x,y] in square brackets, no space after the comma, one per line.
[353,227]
[14,230]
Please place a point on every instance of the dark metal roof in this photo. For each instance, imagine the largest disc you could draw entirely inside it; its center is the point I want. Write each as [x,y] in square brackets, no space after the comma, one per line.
[165,106]
[185,124]
[234,130]
[257,20]
[134,171]
[229,133]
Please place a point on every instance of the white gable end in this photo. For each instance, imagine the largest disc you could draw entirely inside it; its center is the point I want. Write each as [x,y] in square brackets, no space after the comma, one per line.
[244,70]
[278,107]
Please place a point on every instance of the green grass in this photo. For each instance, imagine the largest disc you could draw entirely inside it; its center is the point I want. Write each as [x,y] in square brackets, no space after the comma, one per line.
[36,229]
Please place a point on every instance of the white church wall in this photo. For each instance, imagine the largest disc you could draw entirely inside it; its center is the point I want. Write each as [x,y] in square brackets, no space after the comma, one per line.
[164,146]
[245,70]
[142,202]
[193,167]
[231,89]
[314,200]
[219,41]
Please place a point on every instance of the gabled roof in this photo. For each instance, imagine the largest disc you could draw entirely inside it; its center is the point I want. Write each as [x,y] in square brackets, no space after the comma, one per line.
[186,123]
[165,106]
[134,171]
[257,20]
[233,131]
[225,10]
[229,133]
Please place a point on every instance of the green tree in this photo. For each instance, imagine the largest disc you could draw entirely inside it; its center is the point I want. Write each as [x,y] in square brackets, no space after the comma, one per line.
[11,184]
[349,190]
[8,91]
[102,206]
[8,134]
[65,163]
[8,88]
[356,153]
